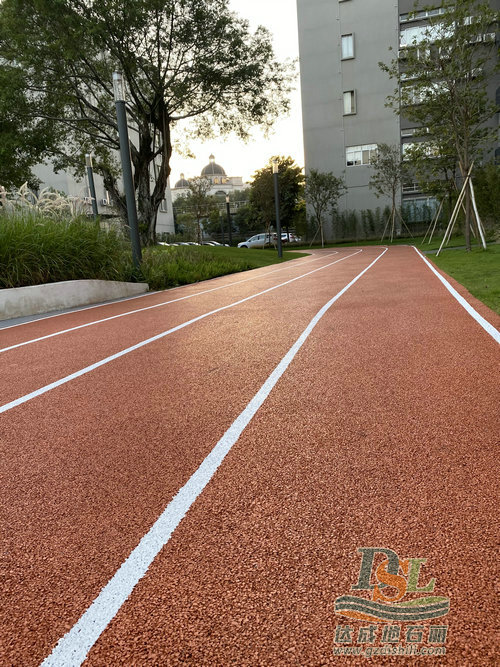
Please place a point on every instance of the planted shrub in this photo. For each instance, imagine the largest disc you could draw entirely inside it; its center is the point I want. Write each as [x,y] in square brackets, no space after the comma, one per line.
[37,249]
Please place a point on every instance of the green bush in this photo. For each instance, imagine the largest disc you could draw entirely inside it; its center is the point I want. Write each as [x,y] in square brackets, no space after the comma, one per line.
[37,249]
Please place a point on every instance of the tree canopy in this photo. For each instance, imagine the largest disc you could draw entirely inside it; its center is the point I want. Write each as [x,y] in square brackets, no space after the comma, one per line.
[182,60]
[290,181]
[23,141]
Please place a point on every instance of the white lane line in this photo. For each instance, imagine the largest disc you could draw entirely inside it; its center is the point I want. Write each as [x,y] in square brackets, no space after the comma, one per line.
[73,647]
[139,310]
[117,355]
[489,328]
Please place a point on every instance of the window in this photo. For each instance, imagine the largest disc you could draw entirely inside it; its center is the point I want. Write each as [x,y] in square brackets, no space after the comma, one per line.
[347,46]
[427,148]
[422,33]
[358,155]
[414,131]
[424,14]
[349,102]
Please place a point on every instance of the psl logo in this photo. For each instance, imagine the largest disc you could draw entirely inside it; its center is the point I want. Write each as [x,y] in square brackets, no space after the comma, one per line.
[394,578]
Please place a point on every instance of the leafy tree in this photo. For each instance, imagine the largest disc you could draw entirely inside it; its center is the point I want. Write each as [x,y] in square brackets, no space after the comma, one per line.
[290,181]
[389,172]
[199,201]
[24,142]
[442,81]
[322,193]
[181,60]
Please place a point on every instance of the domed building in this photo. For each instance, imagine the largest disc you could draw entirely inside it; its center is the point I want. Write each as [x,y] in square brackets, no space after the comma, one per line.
[182,183]
[214,172]
[221,183]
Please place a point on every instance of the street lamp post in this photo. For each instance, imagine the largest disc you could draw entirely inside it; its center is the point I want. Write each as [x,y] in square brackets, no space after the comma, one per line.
[221,225]
[90,176]
[277,204]
[128,181]
[228,211]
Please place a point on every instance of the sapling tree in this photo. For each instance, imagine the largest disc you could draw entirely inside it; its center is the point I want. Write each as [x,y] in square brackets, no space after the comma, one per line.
[322,192]
[389,172]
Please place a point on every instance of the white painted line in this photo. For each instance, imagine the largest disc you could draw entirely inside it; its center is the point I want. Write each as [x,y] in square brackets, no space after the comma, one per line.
[73,647]
[40,316]
[489,328]
[139,310]
[107,360]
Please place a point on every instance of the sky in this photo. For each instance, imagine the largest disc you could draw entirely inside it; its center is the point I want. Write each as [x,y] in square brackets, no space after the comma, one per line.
[243,159]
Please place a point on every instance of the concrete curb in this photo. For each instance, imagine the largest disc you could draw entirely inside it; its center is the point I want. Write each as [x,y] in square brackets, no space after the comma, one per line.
[22,301]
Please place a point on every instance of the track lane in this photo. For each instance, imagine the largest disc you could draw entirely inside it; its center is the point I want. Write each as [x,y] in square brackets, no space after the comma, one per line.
[389,441]
[76,459]
[53,359]
[16,336]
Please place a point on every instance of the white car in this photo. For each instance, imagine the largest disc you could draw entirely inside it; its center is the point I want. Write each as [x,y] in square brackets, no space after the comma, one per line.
[257,241]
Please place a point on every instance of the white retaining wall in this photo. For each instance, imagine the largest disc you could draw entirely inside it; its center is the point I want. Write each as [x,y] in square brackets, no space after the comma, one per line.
[22,301]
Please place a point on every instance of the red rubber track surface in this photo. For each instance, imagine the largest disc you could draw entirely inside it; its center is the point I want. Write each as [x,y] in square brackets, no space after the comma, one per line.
[382,432]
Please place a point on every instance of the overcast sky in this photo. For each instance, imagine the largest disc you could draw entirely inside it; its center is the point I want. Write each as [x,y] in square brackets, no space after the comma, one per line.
[238,158]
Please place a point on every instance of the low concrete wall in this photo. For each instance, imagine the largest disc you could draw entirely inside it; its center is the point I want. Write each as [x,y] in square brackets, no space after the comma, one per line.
[22,301]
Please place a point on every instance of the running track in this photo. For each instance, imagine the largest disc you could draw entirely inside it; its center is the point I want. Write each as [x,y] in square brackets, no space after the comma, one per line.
[339,401]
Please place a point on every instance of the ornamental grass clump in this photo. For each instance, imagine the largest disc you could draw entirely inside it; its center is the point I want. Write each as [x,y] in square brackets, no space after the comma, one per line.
[49,239]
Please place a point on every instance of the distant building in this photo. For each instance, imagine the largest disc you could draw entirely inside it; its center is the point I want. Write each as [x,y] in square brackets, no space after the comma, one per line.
[220,182]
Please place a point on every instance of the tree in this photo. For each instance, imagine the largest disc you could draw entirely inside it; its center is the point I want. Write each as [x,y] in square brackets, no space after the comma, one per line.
[181,60]
[23,141]
[442,78]
[198,203]
[290,181]
[389,173]
[322,193]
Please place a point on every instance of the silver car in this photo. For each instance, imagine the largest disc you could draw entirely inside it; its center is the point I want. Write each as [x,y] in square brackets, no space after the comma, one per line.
[257,241]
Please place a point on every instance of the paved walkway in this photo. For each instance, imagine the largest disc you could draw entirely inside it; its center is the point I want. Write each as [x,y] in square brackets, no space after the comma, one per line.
[188,477]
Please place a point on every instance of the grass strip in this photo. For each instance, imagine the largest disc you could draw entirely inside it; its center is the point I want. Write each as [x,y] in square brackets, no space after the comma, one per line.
[478,271]
[164,267]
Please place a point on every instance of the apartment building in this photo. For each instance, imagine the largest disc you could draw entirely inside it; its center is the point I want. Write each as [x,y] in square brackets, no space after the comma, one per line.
[344,91]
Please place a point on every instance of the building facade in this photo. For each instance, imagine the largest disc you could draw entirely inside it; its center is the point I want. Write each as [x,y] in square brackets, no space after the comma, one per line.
[344,90]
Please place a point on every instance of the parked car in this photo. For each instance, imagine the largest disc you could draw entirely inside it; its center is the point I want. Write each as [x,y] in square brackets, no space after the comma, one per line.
[258,241]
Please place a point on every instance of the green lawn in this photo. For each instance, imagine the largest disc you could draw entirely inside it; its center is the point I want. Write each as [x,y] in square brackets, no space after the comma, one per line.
[478,271]
[163,267]
[254,257]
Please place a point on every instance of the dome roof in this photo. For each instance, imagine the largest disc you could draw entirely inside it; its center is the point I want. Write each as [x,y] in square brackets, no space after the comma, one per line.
[212,168]
[182,183]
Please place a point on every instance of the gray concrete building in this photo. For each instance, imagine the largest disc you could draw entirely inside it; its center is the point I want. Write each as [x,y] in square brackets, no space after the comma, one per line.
[344,91]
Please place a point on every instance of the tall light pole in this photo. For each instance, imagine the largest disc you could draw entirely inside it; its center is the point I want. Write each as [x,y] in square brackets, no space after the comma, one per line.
[128,181]
[90,176]
[277,204]
[221,225]
[228,211]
